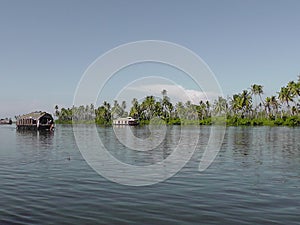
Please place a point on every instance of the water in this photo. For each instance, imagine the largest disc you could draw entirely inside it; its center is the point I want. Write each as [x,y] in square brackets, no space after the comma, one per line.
[255,179]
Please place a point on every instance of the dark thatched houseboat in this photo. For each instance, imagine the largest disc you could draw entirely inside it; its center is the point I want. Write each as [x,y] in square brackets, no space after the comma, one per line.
[35,121]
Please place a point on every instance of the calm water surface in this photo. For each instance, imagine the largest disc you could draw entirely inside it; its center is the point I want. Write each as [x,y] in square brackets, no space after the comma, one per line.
[255,179]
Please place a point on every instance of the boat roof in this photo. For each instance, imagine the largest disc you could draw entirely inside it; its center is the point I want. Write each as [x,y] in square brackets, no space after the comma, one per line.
[126,118]
[33,115]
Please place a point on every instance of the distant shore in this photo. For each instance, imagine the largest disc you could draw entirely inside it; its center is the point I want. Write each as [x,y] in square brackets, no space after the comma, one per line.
[247,108]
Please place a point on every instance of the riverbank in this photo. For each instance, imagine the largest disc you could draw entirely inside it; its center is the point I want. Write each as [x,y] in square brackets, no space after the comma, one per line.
[290,121]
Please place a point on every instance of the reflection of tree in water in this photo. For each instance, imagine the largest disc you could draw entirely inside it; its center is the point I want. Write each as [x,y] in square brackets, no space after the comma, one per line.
[141,132]
[170,142]
[287,147]
[136,157]
[242,139]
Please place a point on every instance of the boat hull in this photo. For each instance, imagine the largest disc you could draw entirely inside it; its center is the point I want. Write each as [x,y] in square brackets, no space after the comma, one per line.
[133,123]
[33,127]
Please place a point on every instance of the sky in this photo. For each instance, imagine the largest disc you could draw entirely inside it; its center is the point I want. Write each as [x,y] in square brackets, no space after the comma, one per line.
[46,46]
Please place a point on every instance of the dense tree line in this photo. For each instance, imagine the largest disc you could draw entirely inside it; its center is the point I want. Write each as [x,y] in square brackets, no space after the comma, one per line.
[245,108]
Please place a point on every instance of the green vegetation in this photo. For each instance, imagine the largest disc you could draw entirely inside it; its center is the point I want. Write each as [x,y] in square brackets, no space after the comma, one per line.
[247,108]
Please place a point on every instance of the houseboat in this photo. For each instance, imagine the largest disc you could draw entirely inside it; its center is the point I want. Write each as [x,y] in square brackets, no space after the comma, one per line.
[35,121]
[126,121]
[5,121]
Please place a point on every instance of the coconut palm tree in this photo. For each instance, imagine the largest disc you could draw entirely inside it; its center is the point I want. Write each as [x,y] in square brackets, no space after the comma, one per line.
[268,106]
[275,105]
[166,105]
[285,96]
[241,103]
[158,109]
[56,111]
[293,88]
[207,103]
[220,106]
[107,111]
[190,111]
[294,110]
[179,110]
[117,110]
[123,106]
[135,110]
[201,109]
[148,106]
[246,101]
[236,104]
[257,89]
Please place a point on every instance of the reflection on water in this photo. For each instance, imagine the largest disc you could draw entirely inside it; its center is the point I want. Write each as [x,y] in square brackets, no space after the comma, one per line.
[36,139]
[141,145]
[255,179]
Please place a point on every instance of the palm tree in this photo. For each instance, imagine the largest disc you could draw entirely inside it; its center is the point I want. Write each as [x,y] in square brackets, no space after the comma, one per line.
[116,110]
[294,110]
[158,109]
[190,111]
[92,112]
[246,101]
[293,88]
[201,109]
[257,89]
[123,106]
[268,106]
[207,103]
[107,112]
[56,111]
[135,109]
[220,106]
[167,107]
[166,104]
[179,110]
[285,96]
[275,105]
[79,113]
[236,103]
[148,106]
[241,103]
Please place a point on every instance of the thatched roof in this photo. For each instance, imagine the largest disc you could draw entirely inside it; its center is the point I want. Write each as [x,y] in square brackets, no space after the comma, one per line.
[33,115]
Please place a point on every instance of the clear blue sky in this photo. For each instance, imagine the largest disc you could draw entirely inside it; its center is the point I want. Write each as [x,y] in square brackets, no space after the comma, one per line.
[45,46]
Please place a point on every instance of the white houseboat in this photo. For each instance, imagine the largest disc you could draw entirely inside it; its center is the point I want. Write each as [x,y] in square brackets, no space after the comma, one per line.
[126,121]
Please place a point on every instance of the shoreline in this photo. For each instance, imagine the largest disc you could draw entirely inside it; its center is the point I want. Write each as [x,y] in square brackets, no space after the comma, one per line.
[292,121]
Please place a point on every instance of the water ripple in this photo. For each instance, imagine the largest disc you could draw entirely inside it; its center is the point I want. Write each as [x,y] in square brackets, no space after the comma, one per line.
[254,180]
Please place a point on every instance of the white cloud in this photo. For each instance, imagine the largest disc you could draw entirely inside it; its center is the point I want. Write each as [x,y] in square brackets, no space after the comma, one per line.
[175,92]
